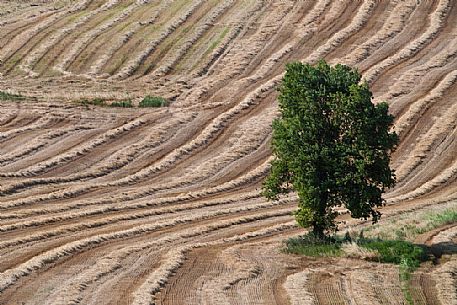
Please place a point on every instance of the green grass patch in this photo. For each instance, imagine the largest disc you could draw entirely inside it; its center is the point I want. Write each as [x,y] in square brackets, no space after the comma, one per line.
[405,271]
[311,245]
[396,251]
[5,96]
[153,101]
[122,104]
[389,251]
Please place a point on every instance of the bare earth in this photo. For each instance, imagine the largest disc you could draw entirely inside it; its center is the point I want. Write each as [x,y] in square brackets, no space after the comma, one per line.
[163,206]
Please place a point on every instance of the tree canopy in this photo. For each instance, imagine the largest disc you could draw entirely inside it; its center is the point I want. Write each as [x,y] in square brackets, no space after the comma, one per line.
[331,145]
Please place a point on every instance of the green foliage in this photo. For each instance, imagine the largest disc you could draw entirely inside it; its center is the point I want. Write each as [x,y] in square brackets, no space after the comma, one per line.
[405,270]
[331,145]
[5,96]
[153,101]
[122,104]
[312,245]
[396,252]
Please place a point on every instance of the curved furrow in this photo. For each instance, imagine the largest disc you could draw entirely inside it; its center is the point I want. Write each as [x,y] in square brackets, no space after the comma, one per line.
[54,148]
[120,216]
[422,135]
[438,173]
[443,61]
[111,203]
[217,41]
[20,25]
[121,37]
[182,38]
[358,21]
[13,51]
[147,292]
[246,271]
[129,200]
[206,136]
[398,17]
[14,25]
[50,237]
[257,230]
[103,272]
[110,207]
[37,144]
[19,120]
[120,208]
[10,276]
[119,158]
[35,125]
[426,142]
[419,107]
[72,154]
[37,54]
[244,144]
[309,23]
[436,20]
[253,175]
[249,48]
[46,61]
[81,43]
[12,252]
[124,210]
[141,59]
[119,264]
[440,44]
[192,38]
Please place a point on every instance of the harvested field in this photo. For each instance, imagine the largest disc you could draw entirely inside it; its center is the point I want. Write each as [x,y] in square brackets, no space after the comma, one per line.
[104,205]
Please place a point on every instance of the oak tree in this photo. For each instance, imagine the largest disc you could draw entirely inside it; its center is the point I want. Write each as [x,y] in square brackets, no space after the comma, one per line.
[331,145]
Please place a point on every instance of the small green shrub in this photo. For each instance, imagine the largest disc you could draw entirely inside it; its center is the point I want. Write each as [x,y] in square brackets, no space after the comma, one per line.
[153,101]
[390,251]
[122,104]
[5,96]
[396,251]
[311,245]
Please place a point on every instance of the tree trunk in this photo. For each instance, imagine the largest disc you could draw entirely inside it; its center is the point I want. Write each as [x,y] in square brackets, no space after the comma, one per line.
[318,230]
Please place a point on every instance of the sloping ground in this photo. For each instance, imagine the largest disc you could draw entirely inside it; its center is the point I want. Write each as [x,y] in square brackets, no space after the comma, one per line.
[140,206]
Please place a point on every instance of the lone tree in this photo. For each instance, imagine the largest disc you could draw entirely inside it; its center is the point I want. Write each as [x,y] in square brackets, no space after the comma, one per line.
[331,145]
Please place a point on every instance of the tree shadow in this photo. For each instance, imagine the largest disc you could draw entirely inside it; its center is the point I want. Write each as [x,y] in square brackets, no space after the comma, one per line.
[440,249]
